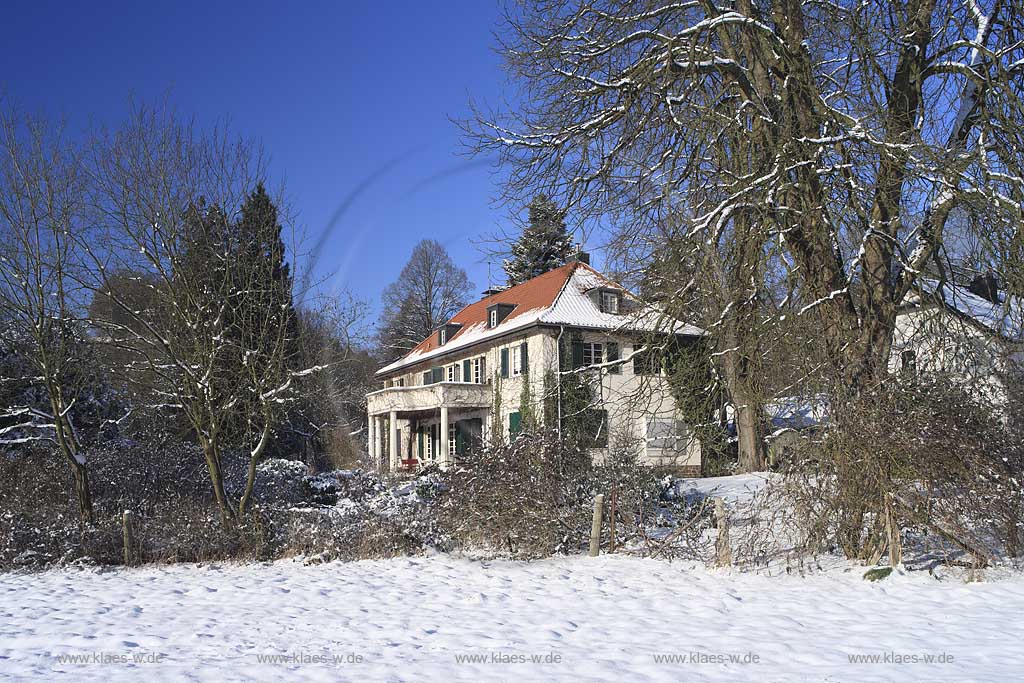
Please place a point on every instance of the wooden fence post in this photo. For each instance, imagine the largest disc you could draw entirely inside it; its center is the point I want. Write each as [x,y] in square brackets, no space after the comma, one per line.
[128,538]
[722,547]
[611,517]
[595,527]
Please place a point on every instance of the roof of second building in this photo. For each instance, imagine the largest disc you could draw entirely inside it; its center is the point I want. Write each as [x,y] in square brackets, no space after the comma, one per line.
[1005,318]
[557,297]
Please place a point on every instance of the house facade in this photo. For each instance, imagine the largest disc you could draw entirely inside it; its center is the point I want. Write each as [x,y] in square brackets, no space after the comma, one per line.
[973,333]
[513,353]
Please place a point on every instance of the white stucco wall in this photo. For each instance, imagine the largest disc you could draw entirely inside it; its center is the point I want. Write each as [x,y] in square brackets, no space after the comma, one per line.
[943,342]
[630,400]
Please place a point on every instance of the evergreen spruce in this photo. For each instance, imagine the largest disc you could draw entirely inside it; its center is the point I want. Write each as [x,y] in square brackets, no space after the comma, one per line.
[544,245]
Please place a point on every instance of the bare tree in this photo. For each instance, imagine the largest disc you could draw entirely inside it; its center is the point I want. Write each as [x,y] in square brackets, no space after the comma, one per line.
[428,292]
[870,121]
[41,194]
[168,197]
[860,128]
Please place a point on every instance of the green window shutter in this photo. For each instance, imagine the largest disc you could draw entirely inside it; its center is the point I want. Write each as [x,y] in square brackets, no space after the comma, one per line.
[514,421]
[467,375]
[577,353]
[438,375]
[504,362]
[524,358]
[613,355]
[426,377]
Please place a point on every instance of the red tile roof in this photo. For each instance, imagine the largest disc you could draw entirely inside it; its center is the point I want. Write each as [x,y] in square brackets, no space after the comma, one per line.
[539,292]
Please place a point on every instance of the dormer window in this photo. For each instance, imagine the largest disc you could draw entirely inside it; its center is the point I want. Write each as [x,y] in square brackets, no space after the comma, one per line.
[609,301]
[447,332]
[496,314]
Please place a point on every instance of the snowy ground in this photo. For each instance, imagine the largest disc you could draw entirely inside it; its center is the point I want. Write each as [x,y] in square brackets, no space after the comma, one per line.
[608,618]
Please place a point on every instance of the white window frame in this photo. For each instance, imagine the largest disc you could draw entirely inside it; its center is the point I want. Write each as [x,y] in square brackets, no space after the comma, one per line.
[665,433]
[452,372]
[428,447]
[477,370]
[443,333]
[595,351]
[516,361]
[492,318]
[610,302]
[399,382]
[452,434]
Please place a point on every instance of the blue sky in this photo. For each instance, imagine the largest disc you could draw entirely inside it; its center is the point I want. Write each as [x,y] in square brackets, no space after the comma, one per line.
[339,93]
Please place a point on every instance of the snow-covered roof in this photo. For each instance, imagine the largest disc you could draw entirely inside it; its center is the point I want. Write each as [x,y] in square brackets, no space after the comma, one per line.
[1005,318]
[558,297]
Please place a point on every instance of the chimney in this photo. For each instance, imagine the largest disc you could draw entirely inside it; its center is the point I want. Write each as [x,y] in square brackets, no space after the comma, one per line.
[580,256]
[986,286]
[491,291]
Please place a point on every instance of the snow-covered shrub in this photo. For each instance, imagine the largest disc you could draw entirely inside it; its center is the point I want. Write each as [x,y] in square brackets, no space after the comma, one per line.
[534,497]
[920,464]
[529,498]
[370,518]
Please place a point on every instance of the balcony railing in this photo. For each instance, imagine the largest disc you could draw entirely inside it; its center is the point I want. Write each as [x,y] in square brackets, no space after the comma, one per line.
[429,397]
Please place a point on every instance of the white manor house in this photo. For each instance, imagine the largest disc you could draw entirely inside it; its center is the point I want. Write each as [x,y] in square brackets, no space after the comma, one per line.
[465,381]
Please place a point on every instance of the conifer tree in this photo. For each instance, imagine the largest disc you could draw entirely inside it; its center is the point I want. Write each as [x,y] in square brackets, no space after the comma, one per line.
[545,244]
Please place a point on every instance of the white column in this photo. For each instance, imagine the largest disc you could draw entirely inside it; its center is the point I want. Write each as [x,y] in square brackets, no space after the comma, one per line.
[445,458]
[375,442]
[393,440]
[369,437]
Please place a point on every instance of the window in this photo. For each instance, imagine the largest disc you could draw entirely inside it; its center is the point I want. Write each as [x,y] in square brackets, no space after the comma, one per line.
[442,336]
[609,302]
[519,359]
[493,318]
[665,433]
[612,351]
[908,362]
[595,428]
[592,353]
[453,440]
[430,443]
[453,372]
[646,362]
[479,370]
[514,360]
[399,382]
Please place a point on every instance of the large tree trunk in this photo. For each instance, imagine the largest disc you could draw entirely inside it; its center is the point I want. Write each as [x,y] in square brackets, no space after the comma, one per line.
[750,433]
[740,374]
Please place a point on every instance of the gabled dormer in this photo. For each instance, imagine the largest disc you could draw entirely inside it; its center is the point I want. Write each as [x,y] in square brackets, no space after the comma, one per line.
[496,314]
[609,300]
[446,332]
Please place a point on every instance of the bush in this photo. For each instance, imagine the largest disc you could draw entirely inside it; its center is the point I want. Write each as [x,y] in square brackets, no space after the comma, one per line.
[533,497]
[164,485]
[916,455]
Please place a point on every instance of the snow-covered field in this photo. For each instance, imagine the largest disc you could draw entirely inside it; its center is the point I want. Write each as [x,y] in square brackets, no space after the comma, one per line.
[609,618]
